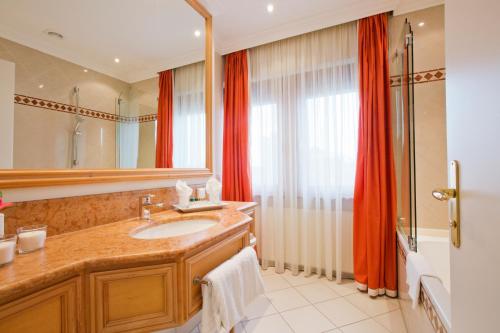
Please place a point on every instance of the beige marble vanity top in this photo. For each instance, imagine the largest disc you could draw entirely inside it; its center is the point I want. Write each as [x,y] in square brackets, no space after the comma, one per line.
[110,246]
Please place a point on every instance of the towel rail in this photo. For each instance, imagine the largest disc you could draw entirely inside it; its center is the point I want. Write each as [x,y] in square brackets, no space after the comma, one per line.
[197,280]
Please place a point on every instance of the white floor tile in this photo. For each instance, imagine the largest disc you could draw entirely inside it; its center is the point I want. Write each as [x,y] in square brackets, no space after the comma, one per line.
[365,326]
[300,279]
[259,308]
[393,321]
[307,320]
[269,324]
[340,312]
[373,306]
[317,292]
[274,282]
[287,299]
[347,287]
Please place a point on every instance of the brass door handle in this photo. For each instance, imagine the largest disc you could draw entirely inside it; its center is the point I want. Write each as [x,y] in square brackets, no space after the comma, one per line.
[444,194]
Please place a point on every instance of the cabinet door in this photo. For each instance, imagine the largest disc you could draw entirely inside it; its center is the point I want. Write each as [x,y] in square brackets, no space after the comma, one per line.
[136,299]
[202,263]
[51,310]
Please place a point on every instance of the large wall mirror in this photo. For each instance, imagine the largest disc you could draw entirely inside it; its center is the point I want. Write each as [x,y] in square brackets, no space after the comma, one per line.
[106,89]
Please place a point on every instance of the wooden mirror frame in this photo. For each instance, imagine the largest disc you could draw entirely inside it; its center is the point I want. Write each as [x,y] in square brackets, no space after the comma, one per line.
[53,177]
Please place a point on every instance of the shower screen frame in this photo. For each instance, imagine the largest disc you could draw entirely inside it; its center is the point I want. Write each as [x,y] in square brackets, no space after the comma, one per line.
[408,112]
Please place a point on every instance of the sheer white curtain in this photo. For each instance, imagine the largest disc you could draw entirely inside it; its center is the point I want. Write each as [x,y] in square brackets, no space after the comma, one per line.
[304,115]
[189,116]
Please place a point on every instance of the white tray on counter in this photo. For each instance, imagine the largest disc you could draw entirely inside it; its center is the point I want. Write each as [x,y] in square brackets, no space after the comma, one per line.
[200,206]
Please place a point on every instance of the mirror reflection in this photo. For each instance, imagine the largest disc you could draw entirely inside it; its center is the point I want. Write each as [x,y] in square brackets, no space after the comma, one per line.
[87,96]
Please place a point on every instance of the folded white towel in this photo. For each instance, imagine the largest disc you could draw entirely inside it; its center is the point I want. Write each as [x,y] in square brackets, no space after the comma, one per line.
[232,287]
[417,267]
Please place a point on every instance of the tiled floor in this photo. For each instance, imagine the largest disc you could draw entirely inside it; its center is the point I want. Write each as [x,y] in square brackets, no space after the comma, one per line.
[299,304]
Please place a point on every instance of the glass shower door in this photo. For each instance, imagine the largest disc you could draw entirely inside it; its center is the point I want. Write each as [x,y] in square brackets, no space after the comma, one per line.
[404,136]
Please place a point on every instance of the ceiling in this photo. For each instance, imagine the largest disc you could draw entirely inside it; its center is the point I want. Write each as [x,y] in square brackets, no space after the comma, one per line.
[146,35]
[153,35]
[240,24]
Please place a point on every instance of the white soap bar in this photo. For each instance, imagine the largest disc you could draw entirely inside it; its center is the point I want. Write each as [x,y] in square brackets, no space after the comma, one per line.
[32,240]
[7,251]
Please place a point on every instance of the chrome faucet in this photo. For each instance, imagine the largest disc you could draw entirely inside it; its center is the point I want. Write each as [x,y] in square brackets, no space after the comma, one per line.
[146,204]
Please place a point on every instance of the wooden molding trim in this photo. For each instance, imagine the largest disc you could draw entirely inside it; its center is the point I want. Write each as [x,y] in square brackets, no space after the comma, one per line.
[35,178]
[17,178]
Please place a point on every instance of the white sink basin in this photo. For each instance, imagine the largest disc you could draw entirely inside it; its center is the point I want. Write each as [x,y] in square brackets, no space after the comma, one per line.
[173,229]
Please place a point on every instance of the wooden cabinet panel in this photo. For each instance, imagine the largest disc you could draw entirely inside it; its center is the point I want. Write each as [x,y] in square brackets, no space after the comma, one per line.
[251,212]
[202,263]
[133,299]
[52,310]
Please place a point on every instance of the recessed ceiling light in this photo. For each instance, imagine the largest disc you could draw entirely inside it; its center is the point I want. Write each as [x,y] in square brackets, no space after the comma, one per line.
[421,24]
[197,33]
[270,8]
[117,60]
[40,86]
[85,70]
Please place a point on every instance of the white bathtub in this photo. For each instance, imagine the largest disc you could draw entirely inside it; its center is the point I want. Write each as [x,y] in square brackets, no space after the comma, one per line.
[434,244]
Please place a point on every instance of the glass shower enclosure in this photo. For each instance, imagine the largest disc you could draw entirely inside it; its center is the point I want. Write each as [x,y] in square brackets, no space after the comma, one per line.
[402,94]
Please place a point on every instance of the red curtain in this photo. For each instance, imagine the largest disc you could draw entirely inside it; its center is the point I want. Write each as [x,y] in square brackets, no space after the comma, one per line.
[236,184]
[165,129]
[375,187]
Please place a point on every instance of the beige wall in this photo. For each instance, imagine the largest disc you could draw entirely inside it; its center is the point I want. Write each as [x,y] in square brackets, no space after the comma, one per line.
[7,74]
[430,111]
[143,97]
[42,138]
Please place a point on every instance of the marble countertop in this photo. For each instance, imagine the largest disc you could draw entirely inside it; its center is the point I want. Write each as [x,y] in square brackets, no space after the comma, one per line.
[110,245]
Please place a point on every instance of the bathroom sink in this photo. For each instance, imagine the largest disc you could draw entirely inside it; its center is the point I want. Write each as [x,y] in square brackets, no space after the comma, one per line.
[173,228]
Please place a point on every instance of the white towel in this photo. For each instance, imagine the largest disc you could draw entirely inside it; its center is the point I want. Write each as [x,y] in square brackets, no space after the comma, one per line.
[232,287]
[416,267]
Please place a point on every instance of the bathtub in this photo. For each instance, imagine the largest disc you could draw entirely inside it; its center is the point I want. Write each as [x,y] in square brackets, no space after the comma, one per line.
[434,245]
[434,310]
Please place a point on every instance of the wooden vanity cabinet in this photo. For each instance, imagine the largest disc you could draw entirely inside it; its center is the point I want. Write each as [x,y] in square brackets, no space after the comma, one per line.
[251,212]
[200,264]
[52,310]
[135,299]
[138,299]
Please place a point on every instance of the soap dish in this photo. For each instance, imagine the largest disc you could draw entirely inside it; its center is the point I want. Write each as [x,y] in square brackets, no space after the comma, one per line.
[200,206]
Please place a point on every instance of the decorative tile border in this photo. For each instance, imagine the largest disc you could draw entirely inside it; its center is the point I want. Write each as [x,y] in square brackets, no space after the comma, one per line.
[148,117]
[67,108]
[429,308]
[421,77]
[431,312]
